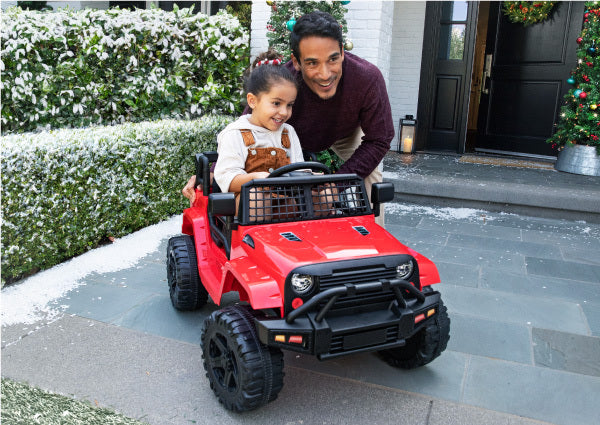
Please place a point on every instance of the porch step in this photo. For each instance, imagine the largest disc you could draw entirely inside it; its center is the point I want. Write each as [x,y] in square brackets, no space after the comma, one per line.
[529,187]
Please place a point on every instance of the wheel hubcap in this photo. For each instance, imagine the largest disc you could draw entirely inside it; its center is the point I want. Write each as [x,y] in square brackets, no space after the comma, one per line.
[223,362]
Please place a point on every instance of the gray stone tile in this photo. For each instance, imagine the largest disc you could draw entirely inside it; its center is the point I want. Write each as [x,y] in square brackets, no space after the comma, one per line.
[539,286]
[103,303]
[504,246]
[412,236]
[480,228]
[592,315]
[540,393]
[145,276]
[565,238]
[523,310]
[581,255]
[441,378]
[478,257]
[458,274]
[157,316]
[566,351]
[481,337]
[563,269]
[401,219]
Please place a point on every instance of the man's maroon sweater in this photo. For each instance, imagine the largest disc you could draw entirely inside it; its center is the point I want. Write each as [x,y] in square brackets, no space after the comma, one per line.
[361,100]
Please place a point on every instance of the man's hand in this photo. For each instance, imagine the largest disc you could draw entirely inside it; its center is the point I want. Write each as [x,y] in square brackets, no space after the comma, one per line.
[189,191]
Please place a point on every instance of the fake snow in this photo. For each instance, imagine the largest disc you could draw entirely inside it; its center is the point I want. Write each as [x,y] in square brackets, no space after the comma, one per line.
[28,301]
[445,213]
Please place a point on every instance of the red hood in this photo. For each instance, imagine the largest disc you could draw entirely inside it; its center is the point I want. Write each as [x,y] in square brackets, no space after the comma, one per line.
[319,241]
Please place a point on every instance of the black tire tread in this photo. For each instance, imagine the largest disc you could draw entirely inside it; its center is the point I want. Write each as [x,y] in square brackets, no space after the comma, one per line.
[187,292]
[423,347]
[261,367]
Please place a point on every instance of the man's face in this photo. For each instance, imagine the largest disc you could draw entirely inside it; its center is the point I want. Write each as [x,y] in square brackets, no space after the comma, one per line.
[321,64]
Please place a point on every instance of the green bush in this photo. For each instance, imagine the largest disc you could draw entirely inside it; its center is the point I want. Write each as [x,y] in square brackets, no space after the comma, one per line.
[70,68]
[65,191]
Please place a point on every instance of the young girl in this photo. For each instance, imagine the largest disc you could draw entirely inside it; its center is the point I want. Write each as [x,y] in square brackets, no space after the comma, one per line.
[255,145]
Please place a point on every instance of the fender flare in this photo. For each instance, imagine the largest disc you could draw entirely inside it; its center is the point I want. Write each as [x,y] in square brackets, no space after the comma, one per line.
[260,289]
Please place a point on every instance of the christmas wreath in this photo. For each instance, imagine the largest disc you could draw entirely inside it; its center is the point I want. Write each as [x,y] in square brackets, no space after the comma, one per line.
[528,12]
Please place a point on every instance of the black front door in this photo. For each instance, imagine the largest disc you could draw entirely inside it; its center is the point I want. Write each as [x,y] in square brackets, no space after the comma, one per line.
[446,75]
[526,80]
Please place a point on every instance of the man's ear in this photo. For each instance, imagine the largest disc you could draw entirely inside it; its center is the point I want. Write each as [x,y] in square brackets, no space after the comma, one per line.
[251,100]
[296,63]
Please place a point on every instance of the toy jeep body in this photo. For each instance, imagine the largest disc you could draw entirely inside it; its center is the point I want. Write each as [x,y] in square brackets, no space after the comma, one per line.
[314,272]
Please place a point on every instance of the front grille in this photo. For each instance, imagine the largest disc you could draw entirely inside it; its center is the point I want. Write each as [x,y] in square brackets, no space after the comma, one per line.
[356,276]
[338,346]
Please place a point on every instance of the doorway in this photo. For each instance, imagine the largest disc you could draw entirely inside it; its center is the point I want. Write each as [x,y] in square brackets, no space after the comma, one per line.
[503,95]
[521,79]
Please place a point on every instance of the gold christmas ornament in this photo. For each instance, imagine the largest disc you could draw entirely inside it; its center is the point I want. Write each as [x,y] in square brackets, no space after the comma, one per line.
[348,45]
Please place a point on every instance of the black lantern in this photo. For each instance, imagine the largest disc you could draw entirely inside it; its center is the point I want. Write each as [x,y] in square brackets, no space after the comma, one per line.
[408,132]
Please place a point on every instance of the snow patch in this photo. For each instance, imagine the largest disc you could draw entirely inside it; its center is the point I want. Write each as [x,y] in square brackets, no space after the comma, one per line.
[445,213]
[28,301]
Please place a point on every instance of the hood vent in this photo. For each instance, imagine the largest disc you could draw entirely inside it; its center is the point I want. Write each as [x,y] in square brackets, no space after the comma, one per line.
[291,237]
[361,230]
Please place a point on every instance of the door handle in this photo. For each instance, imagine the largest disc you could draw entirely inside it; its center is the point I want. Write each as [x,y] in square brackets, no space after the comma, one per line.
[487,74]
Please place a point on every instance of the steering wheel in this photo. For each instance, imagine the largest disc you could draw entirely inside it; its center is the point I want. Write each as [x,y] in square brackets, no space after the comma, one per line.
[313,165]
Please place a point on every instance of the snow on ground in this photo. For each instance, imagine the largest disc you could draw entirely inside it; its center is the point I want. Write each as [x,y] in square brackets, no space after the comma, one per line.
[28,301]
[446,213]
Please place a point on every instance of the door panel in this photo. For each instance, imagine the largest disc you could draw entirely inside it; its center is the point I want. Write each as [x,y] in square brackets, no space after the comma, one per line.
[445,75]
[530,66]
[448,88]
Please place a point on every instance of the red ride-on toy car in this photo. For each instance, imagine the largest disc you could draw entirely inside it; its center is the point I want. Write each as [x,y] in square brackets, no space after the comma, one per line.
[314,272]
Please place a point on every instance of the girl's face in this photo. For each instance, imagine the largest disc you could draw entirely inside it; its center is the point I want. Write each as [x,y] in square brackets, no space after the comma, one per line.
[271,109]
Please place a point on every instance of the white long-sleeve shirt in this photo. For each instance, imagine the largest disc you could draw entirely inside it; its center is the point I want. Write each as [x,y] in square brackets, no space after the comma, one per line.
[233,152]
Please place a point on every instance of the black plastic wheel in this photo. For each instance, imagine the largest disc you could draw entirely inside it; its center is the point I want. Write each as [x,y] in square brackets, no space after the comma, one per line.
[243,373]
[185,288]
[423,347]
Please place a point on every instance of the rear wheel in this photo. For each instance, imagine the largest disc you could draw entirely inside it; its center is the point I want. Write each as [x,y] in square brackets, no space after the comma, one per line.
[423,347]
[185,288]
[243,373]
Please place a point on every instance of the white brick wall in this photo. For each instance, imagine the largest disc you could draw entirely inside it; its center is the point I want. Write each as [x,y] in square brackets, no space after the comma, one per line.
[388,34]
[405,64]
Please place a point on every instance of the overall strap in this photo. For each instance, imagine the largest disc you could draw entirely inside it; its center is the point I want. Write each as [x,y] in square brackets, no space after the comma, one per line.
[248,137]
[285,139]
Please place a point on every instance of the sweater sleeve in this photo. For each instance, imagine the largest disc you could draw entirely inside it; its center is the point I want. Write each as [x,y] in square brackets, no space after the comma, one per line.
[378,128]
[232,158]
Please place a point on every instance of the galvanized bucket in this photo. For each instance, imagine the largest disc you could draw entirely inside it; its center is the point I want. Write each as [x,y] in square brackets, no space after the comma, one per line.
[579,159]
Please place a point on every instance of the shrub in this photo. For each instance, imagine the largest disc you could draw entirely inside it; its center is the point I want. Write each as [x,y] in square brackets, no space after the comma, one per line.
[71,68]
[65,191]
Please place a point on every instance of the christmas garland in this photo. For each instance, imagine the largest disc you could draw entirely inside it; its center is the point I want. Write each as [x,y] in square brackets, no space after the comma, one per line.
[528,12]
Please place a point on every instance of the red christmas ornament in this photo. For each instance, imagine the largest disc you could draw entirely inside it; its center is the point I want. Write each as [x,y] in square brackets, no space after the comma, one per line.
[582,95]
[585,15]
[579,40]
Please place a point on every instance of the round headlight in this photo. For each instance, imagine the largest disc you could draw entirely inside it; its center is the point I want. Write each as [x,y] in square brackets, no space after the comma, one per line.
[404,270]
[302,283]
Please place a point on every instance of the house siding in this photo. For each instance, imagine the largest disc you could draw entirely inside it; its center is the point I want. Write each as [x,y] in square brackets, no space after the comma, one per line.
[388,34]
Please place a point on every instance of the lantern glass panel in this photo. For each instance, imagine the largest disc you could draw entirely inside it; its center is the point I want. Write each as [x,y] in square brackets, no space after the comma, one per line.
[407,135]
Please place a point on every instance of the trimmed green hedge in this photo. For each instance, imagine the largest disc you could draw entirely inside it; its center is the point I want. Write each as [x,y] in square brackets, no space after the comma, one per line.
[66,191]
[73,68]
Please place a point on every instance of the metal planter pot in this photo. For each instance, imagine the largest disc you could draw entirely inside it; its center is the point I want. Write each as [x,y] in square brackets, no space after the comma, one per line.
[579,159]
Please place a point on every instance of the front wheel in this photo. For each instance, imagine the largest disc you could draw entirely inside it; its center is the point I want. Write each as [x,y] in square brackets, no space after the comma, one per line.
[423,347]
[243,373]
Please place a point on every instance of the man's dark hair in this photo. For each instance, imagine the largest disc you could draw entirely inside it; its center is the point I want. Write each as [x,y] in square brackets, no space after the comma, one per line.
[317,23]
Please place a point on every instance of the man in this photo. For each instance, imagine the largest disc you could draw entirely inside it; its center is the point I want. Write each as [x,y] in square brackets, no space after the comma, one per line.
[342,100]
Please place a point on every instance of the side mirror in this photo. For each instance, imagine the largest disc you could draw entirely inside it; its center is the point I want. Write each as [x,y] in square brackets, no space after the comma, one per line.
[221,204]
[382,192]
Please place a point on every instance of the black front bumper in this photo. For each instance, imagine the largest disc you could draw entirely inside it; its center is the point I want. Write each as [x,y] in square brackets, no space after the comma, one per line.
[313,329]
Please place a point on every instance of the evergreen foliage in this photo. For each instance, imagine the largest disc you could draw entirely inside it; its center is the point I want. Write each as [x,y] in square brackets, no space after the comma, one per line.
[283,12]
[579,121]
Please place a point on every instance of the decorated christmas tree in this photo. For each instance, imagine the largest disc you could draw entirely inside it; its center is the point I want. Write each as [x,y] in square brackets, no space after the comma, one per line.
[285,13]
[579,121]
